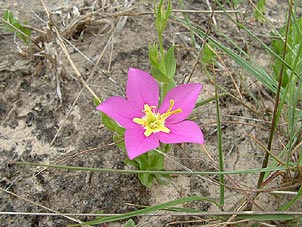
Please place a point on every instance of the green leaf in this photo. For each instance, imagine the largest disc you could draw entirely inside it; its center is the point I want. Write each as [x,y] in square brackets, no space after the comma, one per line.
[208,55]
[266,217]
[13,25]
[8,16]
[256,71]
[112,125]
[27,31]
[133,163]
[163,178]
[158,67]
[130,223]
[259,10]
[96,101]
[162,15]
[145,210]
[153,54]
[159,75]
[155,160]
[292,53]
[146,179]
[142,161]
[120,142]
[167,147]
[170,63]
[287,205]
[166,87]
[109,123]
[151,160]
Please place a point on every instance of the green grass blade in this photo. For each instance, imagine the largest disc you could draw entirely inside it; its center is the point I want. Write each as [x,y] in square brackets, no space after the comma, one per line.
[257,72]
[205,101]
[123,171]
[267,217]
[219,141]
[146,210]
[294,200]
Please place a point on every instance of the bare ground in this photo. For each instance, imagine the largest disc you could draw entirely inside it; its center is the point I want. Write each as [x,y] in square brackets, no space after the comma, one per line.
[46,116]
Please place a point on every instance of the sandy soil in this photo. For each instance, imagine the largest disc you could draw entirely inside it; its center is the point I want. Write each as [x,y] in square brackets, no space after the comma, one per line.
[46,116]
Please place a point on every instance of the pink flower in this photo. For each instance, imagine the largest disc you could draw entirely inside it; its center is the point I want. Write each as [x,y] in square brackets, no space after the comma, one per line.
[147,125]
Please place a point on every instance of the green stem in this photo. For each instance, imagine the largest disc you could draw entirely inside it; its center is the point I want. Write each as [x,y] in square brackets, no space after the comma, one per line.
[161,48]
[219,138]
[203,102]
[131,171]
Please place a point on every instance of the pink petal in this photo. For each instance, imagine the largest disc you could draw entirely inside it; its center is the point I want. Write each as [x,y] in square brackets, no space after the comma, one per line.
[141,89]
[181,132]
[120,110]
[185,97]
[137,143]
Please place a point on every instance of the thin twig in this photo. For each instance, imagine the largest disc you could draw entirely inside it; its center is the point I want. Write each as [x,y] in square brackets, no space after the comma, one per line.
[266,150]
[212,12]
[90,76]
[235,185]
[9,113]
[64,49]
[220,87]
[204,41]
[77,72]
[240,208]
[80,153]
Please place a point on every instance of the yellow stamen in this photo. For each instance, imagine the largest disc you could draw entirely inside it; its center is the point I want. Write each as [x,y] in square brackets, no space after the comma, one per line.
[169,112]
[155,122]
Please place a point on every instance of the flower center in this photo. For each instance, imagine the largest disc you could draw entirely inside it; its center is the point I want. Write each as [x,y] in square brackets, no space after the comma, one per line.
[155,122]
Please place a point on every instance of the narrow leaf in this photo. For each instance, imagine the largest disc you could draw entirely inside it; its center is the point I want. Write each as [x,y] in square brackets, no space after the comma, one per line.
[170,63]
[144,211]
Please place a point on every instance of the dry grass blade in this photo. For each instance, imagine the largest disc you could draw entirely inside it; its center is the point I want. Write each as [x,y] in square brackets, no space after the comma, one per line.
[61,43]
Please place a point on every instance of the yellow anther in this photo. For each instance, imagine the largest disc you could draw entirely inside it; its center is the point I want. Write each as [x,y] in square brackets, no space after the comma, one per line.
[155,122]
[169,112]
